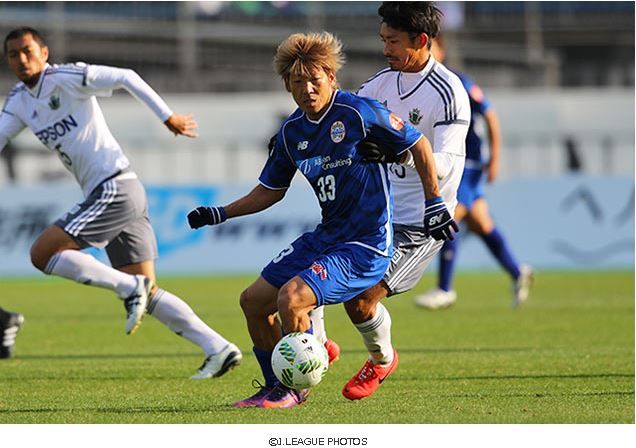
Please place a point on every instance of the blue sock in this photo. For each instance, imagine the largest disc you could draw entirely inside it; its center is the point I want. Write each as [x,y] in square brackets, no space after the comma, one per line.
[447,264]
[264,358]
[499,248]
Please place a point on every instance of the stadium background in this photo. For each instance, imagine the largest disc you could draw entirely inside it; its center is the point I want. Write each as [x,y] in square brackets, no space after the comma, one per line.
[561,77]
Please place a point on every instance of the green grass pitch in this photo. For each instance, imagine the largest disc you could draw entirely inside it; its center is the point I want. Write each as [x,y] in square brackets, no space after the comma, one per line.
[567,357]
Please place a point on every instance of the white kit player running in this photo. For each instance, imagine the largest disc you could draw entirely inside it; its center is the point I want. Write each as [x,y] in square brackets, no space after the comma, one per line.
[58,103]
[421,90]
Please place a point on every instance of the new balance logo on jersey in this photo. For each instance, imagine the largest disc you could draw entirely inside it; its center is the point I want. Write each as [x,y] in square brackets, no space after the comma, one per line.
[54,103]
[56,130]
[302,146]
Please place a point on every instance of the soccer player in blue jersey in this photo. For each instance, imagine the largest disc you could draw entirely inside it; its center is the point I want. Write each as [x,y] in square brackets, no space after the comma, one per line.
[349,251]
[472,206]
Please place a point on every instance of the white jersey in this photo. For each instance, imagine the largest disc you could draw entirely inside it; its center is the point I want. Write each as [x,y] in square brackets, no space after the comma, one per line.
[63,113]
[436,103]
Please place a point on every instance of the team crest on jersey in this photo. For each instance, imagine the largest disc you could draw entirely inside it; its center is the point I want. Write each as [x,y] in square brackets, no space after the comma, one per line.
[320,270]
[415,116]
[338,132]
[54,102]
[396,122]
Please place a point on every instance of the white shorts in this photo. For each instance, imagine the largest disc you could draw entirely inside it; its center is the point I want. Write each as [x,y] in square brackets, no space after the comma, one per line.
[412,253]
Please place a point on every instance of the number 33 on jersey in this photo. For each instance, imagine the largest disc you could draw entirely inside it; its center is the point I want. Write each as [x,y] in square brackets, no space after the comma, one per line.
[324,152]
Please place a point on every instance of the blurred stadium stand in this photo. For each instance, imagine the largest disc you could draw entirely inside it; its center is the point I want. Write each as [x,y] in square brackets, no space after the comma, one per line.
[226,47]
[206,44]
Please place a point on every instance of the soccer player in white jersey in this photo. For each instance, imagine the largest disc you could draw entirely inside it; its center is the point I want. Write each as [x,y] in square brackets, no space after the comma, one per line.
[58,103]
[421,90]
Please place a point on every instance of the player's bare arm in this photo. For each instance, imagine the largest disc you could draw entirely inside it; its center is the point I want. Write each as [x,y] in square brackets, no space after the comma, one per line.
[494,136]
[255,201]
[182,125]
[438,223]
[422,153]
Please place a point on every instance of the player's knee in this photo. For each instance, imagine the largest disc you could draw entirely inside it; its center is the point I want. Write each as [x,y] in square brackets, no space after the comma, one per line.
[246,304]
[39,258]
[482,227]
[289,301]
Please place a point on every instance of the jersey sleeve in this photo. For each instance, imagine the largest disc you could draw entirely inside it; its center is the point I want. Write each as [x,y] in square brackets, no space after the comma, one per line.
[279,170]
[10,125]
[452,119]
[101,80]
[387,127]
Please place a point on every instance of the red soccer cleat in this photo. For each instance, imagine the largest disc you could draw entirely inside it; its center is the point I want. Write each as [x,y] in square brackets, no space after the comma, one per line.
[368,379]
[333,351]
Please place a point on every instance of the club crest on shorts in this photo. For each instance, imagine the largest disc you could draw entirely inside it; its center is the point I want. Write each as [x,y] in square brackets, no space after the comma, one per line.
[320,270]
[338,131]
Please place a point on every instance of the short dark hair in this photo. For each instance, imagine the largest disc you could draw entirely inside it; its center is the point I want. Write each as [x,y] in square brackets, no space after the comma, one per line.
[414,18]
[23,31]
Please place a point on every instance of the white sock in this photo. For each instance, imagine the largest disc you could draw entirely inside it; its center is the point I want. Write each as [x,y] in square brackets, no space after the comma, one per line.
[376,335]
[85,269]
[180,318]
[317,317]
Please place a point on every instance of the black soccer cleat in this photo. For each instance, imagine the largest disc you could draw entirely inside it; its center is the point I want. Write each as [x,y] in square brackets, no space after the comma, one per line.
[10,324]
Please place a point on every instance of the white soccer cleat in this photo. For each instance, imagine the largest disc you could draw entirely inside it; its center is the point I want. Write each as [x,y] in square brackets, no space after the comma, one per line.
[136,303]
[217,365]
[521,287]
[436,299]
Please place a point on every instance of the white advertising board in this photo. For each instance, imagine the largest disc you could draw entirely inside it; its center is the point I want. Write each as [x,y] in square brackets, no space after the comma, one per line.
[577,222]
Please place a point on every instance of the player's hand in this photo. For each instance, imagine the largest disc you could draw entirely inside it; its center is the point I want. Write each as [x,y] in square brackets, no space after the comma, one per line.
[492,171]
[206,216]
[182,125]
[438,223]
[373,151]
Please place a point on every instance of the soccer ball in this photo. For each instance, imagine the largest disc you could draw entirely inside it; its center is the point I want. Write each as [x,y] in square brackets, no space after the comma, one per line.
[299,360]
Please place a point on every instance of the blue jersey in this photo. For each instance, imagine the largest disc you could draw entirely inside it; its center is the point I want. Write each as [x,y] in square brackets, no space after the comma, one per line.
[355,197]
[479,105]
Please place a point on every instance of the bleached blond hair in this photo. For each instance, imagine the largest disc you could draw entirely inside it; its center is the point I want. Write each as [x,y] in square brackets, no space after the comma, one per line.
[300,53]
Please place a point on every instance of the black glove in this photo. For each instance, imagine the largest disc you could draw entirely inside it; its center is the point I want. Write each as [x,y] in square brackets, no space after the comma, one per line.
[206,216]
[437,221]
[373,151]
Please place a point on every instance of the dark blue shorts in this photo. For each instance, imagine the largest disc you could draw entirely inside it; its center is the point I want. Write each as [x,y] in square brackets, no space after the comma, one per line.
[336,273]
[470,187]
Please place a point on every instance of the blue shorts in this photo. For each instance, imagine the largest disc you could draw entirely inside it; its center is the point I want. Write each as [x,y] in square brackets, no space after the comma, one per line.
[336,273]
[470,187]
